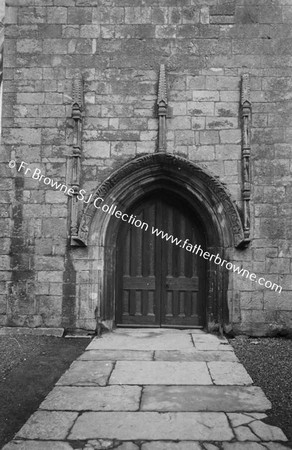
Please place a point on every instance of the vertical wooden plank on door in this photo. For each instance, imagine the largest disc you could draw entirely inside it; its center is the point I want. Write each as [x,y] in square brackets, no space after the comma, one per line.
[133,265]
[124,254]
[159,263]
[181,276]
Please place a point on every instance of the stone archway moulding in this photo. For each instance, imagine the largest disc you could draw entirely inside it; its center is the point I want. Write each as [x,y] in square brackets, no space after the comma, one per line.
[181,169]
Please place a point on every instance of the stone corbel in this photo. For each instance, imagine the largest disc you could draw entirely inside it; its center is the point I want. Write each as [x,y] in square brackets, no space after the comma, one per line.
[77,110]
[163,110]
[246,125]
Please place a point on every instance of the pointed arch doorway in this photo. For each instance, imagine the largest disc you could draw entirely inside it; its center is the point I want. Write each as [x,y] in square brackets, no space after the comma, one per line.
[161,282]
[194,192]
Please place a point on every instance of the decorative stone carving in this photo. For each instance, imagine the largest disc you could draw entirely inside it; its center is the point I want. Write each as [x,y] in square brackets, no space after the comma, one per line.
[77,108]
[246,124]
[163,110]
[175,166]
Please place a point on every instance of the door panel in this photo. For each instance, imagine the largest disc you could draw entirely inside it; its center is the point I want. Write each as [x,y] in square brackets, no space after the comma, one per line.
[136,271]
[183,282]
[160,283]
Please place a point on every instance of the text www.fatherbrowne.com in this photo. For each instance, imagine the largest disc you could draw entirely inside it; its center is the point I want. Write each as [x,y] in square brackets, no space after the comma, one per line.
[197,249]
[98,203]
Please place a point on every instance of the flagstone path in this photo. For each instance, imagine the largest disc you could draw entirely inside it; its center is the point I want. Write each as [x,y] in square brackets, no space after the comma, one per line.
[153,389]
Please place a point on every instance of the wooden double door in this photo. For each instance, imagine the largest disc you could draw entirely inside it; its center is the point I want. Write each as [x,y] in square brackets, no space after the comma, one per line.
[160,282]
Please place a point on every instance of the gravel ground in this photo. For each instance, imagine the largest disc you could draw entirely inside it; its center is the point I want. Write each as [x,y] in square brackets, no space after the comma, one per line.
[29,368]
[269,363]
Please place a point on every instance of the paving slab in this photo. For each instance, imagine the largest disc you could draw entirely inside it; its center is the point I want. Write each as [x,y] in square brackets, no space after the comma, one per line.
[48,425]
[183,445]
[208,337]
[211,342]
[160,372]
[244,446]
[254,446]
[244,433]
[115,355]
[228,373]
[208,346]
[127,446]
[275,446]
[37,445]
[91,373]
[150,339]
[204,398]
[109,398]
[194,355]
[152,426]
[238,419]
[267,432]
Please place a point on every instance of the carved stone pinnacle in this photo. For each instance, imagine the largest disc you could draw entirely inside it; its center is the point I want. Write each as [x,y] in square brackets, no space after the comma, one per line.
[162,95]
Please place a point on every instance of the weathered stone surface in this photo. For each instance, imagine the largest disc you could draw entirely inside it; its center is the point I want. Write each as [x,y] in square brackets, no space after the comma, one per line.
[267,432]
[238,419]
[275,446]
[160,372]
[194,355]
[37,445]
[99,444]
[208,337]
[128,446]
[109,398]
[243,446]
[114,355]
[47,425]
[57,332]
[204,398]
[152,339]
[90,373]
[152,425]
[213,346]
[184,445]
[210,446]
[243,433]
[225,373]
[211,342]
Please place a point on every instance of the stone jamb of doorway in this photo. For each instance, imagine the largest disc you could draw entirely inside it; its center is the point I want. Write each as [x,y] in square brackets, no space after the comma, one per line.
[206,196]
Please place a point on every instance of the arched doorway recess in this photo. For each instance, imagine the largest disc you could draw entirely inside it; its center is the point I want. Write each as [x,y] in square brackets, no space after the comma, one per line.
[160,280]
[206,201]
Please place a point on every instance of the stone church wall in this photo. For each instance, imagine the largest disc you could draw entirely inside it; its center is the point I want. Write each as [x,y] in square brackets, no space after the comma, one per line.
[117,47]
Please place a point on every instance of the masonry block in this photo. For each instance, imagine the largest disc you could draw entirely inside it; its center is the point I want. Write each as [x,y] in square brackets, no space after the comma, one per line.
[49,263]
[202,153]
[79,15]
[184,137]
[206,96]
[200,108]
[99,149]
[230,136]
[22,136]
[209,137]
[180,123]
[57,15]
[109,15]
[228,152]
